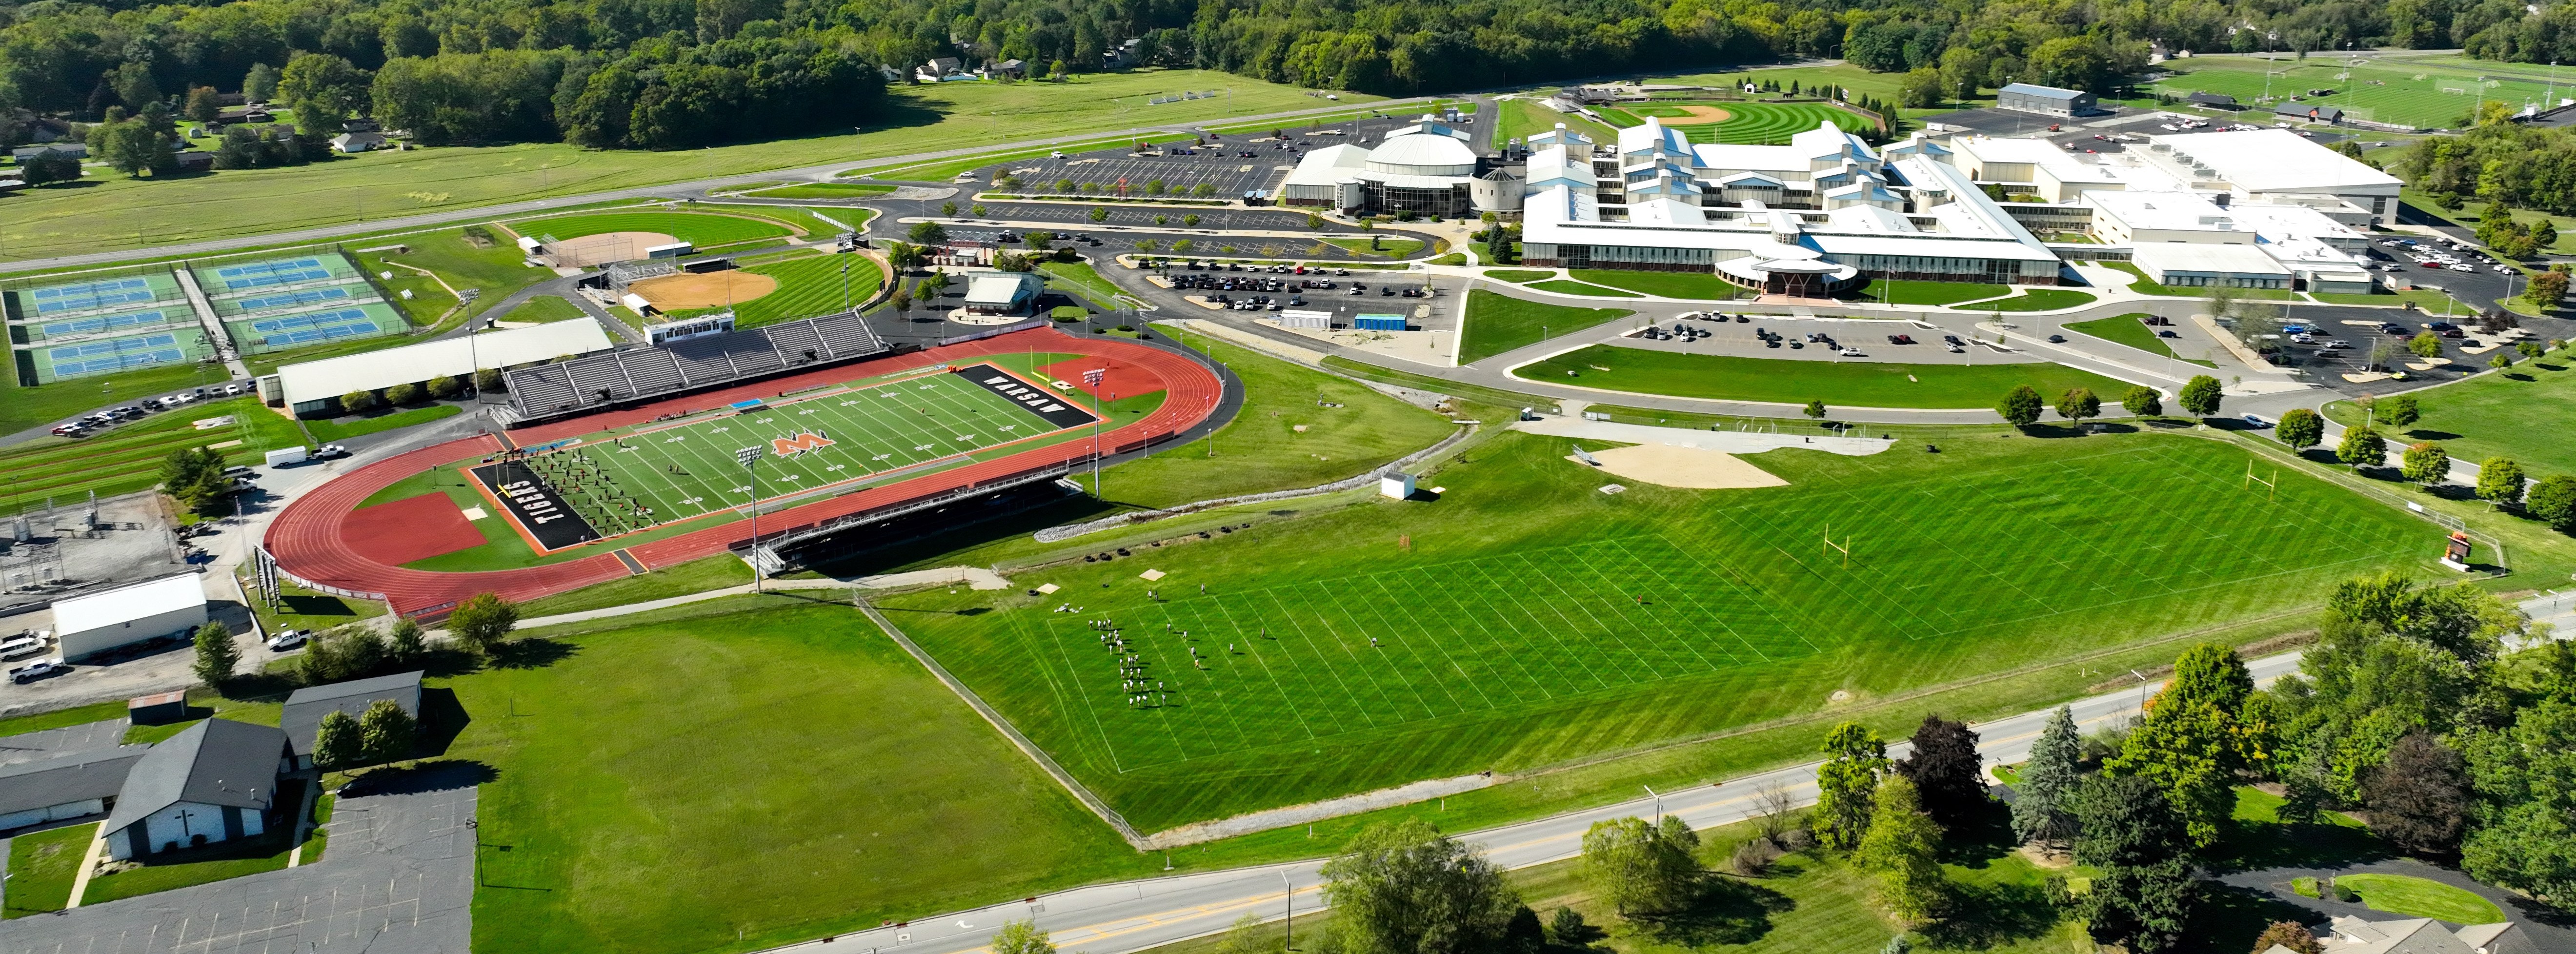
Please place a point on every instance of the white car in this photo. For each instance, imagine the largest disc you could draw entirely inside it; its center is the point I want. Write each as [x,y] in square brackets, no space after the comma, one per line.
[2464,268]
[36,670]
[329,451]
[1851,353]
[21,647]
[289,639]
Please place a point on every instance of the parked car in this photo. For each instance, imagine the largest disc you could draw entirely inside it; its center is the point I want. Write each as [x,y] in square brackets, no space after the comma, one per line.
[36,670]
[2057,339]
[289,639]
[328,451]
[1851,353]
[21,646]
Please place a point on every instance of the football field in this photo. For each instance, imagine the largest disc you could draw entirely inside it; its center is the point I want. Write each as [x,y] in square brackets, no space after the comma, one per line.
[809,445]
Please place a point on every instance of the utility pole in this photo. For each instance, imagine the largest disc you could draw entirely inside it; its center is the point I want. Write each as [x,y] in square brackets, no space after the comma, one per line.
[750,458]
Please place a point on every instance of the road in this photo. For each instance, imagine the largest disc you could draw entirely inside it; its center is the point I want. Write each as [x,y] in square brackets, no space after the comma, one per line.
[1134,915]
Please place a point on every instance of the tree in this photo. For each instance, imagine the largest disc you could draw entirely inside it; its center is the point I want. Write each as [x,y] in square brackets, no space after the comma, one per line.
[386,733]
[1921,89]
[2425,345]
[2133,834]
[1022,937]
[336,742]
[2291,935]
[1203,190]
[2500,360]
[217,657]
[1638,868]
[1948,775]
[902,301]
[2200,396]
[2043,809]
[202,106]
[2300,428]
[1855,758]
[130,146]
[401,394]
[2021,407]
[1191,220]
[50,166]
[2500,481]
[2547,288]
[927,233]
[2144,908]
[2397,411]
[2553,500]
[2425,463]
[2362,447]
[357,401]
[489,379]
[407,642]
[195,478]
[2078,404]
[1899,849]
[2196,737]
[1098,213]
[2143,401]
[1404,888]
[260,83]
[1816,410]
[482,621]
[2419,799]
[444,387]
[322,90]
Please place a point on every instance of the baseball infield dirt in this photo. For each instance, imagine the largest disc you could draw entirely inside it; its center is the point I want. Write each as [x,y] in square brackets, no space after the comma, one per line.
[705,290]
[1695,468]
[1699,116]
[606,247]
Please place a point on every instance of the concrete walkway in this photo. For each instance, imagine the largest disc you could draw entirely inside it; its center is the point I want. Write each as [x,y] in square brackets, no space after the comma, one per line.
[974,577]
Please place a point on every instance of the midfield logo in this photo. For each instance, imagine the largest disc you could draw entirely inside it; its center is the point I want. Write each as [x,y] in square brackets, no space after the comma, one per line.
[803,441]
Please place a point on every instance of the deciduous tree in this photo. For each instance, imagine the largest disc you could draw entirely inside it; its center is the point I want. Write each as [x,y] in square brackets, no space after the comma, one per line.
[2400,410]
[407,642]
[336,743]
[2078,404]
[2201,396]
[1641,868]
[1855,759]
[1405,888]
[2419,799]
[323,90]
[482,621]
[2288,934]
[1022,937]
[2195,738]
[386,733]
[1948,774]
[2553,500]
[2021,407]
[2425,463]
[1898,850]
[2362,447]
[2143,401]
[2300,428]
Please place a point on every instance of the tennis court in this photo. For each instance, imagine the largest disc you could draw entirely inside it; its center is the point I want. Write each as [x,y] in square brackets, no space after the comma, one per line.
[87,358]
[272,273]
[365,320]
[117,321]
[94,295]
[297,298]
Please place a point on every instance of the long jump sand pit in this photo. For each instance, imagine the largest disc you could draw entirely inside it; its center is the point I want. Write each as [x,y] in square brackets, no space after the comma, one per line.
[605,247]
[703,290]
[1696,115]
[1694,468]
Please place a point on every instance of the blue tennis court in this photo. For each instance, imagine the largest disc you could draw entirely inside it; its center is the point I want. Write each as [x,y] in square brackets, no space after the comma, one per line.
[88,295]
[284,271]
[290,299]
[97,356]
[315,326]
[131,319]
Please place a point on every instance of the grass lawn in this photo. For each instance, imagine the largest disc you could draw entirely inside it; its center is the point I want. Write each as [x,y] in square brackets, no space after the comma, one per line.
[1518,275]
[1347,428]
[1598,623]
[1083,281]
[544,308]
[695,576]
[2430,299]
[2407,92]
[1895,292]
[854,788]
[1664,284]
[59,718]
[2128,330]
[189,867]
[1568,287]
[2036,299]
[2421,898]
[810,286]
[22,406]
[825,190]
[476,258]
[300,608]
[705,229]
[1384,247]
[42,867]
[1525,117]
[1497,323]
[128,458]
[321,836]
[1838,384]
[343,428]
[114,212]
[2492,415]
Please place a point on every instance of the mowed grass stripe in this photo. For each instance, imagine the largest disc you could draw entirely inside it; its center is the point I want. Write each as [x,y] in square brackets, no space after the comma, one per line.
[701,228]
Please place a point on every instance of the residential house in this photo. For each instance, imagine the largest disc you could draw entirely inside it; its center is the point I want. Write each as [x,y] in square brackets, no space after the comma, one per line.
[941,69]
[2214,101]
[1006,69]
[2352,935]
[358,142]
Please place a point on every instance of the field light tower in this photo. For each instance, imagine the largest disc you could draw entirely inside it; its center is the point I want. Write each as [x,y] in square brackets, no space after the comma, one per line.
[750,458]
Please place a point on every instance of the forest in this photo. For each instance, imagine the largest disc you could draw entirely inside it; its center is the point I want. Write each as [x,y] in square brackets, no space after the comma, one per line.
[666,74]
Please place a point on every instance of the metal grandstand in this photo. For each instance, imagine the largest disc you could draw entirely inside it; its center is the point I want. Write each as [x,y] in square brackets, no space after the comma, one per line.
[616,377]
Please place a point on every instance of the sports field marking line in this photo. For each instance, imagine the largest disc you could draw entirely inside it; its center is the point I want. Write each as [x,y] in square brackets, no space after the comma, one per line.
[1613,632]
[1554,635]
[1445,656]
[1681,592]
[1289,617]
[1215,687]
[1377,669]
[1414,665]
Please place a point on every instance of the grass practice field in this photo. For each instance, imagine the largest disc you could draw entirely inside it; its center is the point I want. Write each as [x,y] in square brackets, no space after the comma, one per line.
[128,458]
[704,229]
[1837,383]
[1747,123]
[2407,91]
[2493,415]
[1525,618]
[1497,323]
[1662,284]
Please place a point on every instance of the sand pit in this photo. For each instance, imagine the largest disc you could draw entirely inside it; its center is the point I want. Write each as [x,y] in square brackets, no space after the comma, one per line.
[605,247]
[1696,468]
[703,290]
[1699,115]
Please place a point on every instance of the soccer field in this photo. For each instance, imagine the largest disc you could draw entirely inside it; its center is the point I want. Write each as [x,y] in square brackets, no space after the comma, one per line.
[1527,618]
[810,445]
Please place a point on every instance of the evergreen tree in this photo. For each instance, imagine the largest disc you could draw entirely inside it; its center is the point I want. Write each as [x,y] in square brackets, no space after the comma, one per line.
[1855,759]
[2044,800]
[217,657]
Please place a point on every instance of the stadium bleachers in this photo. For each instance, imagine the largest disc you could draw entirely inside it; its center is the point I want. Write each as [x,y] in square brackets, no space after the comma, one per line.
[566,387]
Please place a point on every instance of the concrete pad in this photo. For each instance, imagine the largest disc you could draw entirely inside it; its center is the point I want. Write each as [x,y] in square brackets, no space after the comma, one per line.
[1670,465]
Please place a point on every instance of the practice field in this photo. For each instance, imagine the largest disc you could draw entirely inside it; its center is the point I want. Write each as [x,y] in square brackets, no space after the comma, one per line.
[1525,618]
[811,445]
[706,230]
[1733,123]
[2389,90]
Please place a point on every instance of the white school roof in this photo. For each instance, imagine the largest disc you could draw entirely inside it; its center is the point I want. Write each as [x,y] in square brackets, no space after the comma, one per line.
[2157,258]
[445,357]
[128,603]
[1327,166]
[2278,160]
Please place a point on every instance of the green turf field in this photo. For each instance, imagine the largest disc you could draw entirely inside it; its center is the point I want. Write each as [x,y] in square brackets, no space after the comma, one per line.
[2406,91]
[128,458]
[2035,299]
[1663,284]
[1522,118]
[1497,323]
[1747,123]
[808,286]
[876,431]
[706,230]
[1525,618]
[1837,383]
[2496,415]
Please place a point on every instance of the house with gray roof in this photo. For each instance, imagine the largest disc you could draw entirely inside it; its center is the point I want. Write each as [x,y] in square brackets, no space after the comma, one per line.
[214,781]
[2351,935]
[302,717]
[64,785]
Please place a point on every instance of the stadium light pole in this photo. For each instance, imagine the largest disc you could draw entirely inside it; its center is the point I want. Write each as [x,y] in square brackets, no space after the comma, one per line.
[750,458]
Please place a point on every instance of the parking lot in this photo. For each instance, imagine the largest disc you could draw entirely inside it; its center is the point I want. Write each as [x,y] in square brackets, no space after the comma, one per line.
[1219,167]
[1814,339]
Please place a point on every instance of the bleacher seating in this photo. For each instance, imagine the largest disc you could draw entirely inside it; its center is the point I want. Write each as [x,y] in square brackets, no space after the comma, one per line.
[550,390]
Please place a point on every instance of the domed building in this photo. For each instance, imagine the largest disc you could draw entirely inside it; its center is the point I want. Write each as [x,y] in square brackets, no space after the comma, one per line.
[1426,168]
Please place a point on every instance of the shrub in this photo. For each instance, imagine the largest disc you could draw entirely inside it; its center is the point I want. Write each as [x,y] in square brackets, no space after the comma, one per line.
[401,394]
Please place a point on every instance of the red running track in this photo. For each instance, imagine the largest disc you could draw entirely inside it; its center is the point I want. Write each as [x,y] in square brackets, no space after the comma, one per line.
[309,537]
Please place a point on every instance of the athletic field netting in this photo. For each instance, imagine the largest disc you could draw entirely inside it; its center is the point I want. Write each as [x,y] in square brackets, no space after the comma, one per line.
[830,442]
[94,295]
[174,315]
[108,355]
[273,273]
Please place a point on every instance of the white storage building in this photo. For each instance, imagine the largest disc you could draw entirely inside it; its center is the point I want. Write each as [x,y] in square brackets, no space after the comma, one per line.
[130,614]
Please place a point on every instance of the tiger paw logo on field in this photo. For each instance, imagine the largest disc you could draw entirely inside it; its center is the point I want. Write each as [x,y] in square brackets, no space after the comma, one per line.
[803,441]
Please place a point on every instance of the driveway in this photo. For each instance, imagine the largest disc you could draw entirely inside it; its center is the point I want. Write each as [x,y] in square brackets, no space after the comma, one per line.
[2550,931]
[398,878]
